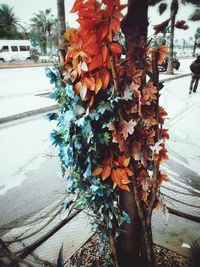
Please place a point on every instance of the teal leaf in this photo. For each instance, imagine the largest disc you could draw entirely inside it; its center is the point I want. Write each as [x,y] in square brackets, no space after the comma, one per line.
[69,90]
[51,116]
[126,217]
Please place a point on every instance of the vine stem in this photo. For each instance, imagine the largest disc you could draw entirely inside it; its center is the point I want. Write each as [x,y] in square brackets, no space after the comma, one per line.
[114,74]
[155,165]
[145,226]
[114,252]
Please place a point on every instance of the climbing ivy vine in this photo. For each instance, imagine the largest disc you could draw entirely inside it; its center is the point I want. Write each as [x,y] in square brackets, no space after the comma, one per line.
[109,126]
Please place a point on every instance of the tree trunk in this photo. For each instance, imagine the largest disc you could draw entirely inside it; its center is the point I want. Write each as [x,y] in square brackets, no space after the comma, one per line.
[134,27]
[174,10]
[194,48]
[62,29]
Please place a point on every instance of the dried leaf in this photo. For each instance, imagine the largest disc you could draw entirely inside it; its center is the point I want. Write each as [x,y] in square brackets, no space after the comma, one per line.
[127,127]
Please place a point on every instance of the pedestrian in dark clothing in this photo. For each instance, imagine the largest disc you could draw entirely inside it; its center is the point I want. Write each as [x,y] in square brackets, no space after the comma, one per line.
[195,68]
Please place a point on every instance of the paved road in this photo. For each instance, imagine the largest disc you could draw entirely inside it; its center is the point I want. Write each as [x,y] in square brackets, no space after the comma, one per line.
[23,81]
[28,180]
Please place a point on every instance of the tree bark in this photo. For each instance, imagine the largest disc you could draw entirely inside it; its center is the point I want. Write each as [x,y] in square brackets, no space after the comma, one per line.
[62,29]
[194,48]
[174,10]
[134,27]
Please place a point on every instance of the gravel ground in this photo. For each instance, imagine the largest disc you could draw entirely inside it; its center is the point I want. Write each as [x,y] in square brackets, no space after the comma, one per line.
[89,256]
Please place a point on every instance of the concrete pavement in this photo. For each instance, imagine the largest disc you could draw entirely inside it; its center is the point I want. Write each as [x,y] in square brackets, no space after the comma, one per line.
[28,169]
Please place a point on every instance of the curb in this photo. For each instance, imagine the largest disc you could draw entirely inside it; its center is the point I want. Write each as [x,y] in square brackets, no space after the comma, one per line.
[175,77]
[18,66]
[27,114]
[50,108]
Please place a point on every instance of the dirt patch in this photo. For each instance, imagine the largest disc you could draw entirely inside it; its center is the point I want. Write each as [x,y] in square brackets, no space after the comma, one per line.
[89,256]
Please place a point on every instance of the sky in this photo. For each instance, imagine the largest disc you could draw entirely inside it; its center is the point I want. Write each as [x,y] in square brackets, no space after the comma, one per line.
[25,10]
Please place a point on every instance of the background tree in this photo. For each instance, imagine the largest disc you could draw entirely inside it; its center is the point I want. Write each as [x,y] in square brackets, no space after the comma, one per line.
[195,16]
[196,41]
[62,29]
[9,23]
[43,29]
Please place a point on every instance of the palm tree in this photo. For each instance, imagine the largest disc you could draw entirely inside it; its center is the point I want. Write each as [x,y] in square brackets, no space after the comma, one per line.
[174,10]
[62,29]
[196,41]
[8,23]
[195,16]
[42,28]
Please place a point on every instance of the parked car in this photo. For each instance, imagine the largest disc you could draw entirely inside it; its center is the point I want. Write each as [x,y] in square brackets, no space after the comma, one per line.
[14,50]
[163,67]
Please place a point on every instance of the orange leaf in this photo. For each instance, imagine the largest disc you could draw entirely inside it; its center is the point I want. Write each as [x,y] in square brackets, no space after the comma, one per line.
[106,172]
[122,175]
[91,102]
[89,83]
[98,85]
[77,88]
[97,171]
[105,78]
[165,134]
[124,161]
[114,177]
[124,187]
[162,51]
[116,48]
[73,75]
[129,172]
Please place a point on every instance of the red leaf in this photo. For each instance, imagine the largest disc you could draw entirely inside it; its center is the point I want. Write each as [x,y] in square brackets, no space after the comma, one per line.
[181,24]
[91,47]
[116,48]
[104,51]
[161,27]
[105,78]
[96,62]
[77,5]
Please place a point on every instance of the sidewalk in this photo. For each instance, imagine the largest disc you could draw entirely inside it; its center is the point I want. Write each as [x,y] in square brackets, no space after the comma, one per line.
[25,106]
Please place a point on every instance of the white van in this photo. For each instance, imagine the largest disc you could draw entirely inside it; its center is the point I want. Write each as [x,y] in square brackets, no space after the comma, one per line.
[14,50]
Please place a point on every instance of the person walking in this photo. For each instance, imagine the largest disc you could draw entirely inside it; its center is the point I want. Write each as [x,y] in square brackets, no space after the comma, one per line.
[195,68]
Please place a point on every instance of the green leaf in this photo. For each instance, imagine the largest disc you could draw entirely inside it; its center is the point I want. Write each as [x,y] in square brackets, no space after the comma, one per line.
[106,138]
